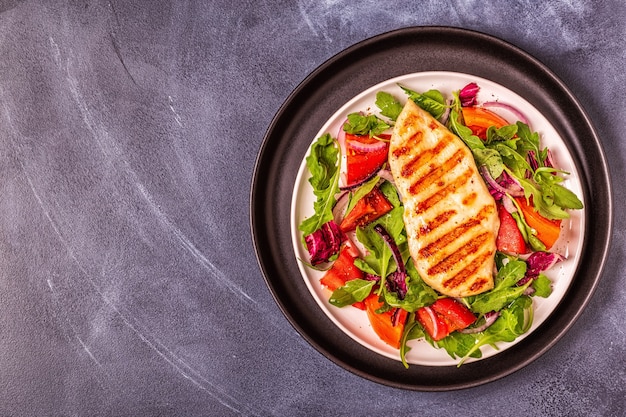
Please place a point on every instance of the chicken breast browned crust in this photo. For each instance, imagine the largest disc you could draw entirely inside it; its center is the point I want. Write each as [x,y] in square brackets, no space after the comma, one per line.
[451,219]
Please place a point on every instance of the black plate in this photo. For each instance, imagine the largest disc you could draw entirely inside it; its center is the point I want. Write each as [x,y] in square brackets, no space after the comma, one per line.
[354,70]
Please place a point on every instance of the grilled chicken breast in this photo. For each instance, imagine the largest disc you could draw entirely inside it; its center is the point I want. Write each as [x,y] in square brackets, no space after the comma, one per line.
[451,219]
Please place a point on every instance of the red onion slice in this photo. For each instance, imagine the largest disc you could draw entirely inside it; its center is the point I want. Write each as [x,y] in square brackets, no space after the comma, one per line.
[378,145]
[512,191]
[341,138]
[516,112]
[490,318]
[433,319]
[341,141]
[339,211]
[508,204]
[356,184]
[386,175]
[395,251]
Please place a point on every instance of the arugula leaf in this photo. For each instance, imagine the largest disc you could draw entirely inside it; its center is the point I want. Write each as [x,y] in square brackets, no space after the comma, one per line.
[389,106]
[391,193]
[514,321]
[502,134]
[549,197]
[412,330]
[529,141]
[418,294]
[530,235]
[543,202]
[358,124]
[565,198]
[361,191]
[457,126]
[483,155]
[364,266]
[553,192]
[491,159]
[353,291]
[379,257]
[505,290]
[514,161]
[322,163]
[542,286]
[459,344]
[432,101]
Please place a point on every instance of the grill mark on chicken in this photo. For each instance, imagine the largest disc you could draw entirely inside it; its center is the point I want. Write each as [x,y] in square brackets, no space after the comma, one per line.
[480,285]
[445,192]
[469,200]
[436,222]
[401,151]
[412,141]
[471,248]
[441,243]
[411,165]
[436,171]
[463,275]
[467,272]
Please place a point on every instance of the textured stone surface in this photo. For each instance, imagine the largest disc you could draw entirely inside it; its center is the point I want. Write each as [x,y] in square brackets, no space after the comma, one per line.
[128,135]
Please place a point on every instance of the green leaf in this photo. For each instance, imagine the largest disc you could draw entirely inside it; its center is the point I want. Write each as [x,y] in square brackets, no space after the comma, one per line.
[505,290]
[358,124]
[514,321]
[412,330]
[379,257]
[530,235]
[502,134]
[418,293]
[323,165]
[529,141]
[432,101]
[389,106]
[489,158]
[566,198]
[542,286]
[353,291]
[361,192]
[515,161]
[459,344]
[464,132]
[496,300]
[543,200]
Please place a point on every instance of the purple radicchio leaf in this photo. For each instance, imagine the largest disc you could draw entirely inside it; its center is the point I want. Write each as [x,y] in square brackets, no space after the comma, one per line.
[539,262]
[324,242]
[396,282]
[467,95]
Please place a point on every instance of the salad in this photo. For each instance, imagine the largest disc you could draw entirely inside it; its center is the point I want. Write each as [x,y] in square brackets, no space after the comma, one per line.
[356,235]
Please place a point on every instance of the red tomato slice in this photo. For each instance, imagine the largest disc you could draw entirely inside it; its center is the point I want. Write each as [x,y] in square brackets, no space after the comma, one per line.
[364,156]
[479,119]
[443,317]
[510,240]
[432,323]
[455,314]
[342,271]
[372,206]
[383,323]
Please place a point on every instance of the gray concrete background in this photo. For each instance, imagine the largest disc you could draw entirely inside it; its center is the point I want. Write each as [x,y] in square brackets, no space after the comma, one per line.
[128,281]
